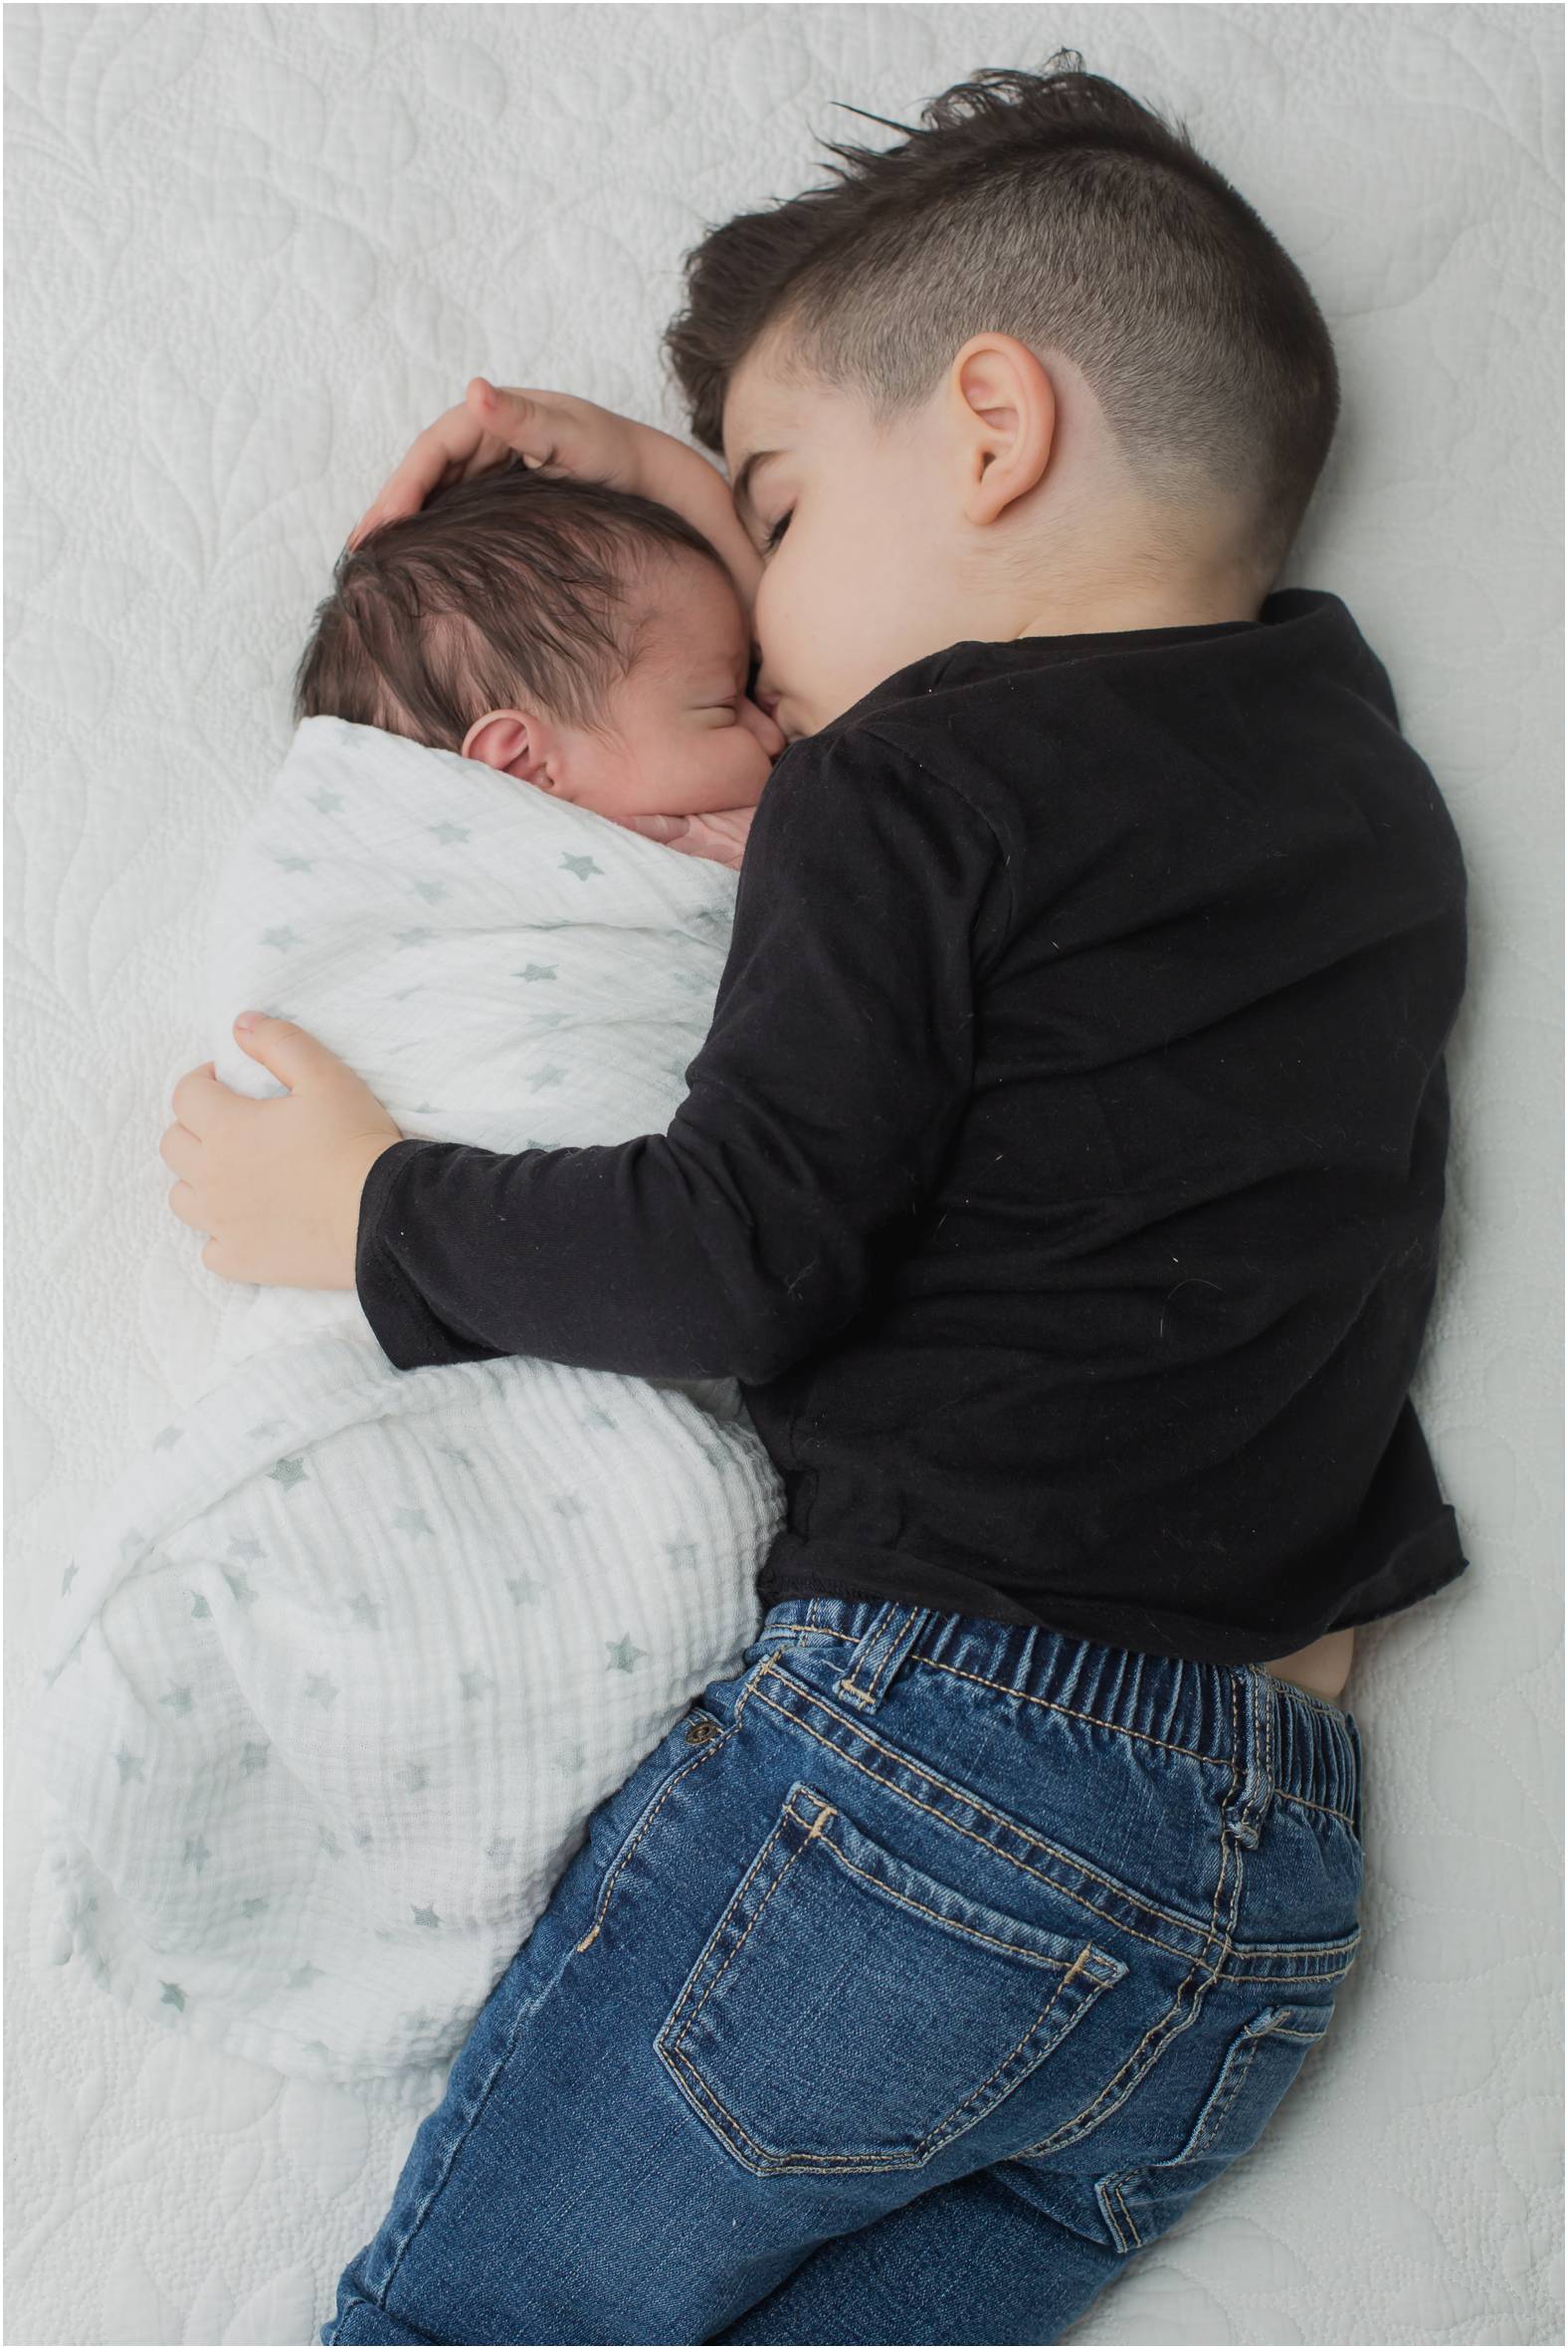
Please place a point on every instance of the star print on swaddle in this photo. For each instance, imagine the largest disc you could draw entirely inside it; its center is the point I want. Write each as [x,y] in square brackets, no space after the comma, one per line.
[345,1660]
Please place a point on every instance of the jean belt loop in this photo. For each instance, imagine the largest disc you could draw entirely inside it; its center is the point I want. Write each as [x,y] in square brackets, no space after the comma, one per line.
[880,1651]
[1356,1749]
[1246,1810]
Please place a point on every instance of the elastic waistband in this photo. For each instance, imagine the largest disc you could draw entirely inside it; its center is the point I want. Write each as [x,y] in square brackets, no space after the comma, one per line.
[1292,1743]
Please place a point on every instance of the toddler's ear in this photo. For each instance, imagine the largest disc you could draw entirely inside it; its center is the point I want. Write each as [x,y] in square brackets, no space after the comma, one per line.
[1006,405]
[514,744]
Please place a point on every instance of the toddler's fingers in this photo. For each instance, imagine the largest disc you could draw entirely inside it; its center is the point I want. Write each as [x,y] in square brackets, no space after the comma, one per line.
[443,452]
[181,1202]
[179,1149]
[519,425]
[551,432]
[403,495]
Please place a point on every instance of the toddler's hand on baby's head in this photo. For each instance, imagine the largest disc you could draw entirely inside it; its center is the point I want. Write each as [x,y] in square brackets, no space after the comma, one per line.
[721,837]
[552,432]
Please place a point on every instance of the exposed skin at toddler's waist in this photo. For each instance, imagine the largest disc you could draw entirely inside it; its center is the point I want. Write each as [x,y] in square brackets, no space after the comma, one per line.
[1322,1669]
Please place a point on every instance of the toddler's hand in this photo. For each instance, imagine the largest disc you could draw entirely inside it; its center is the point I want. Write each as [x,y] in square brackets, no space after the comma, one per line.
[277,1183]
[721,837]
[552,432]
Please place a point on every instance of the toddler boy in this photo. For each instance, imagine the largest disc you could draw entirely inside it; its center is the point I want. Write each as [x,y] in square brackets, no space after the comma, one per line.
[1168,453]
[1062,1175]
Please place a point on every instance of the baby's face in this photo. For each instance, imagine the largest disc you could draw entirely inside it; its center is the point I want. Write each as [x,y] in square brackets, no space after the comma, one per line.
[686,738]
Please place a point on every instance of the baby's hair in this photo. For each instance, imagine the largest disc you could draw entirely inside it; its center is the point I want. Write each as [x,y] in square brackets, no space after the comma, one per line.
[1056,208]
[509,587]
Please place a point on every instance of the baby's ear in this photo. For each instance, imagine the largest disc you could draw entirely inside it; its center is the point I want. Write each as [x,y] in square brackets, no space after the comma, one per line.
[513,743]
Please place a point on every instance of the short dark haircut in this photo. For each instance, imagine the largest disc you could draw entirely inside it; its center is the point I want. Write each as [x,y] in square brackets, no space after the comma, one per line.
[1057,208]
[513,584]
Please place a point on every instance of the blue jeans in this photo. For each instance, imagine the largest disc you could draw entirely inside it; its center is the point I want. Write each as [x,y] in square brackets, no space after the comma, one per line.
[923,1974]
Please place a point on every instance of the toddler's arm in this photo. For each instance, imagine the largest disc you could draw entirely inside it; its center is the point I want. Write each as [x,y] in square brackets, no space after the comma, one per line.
[553,432]
[820,1111]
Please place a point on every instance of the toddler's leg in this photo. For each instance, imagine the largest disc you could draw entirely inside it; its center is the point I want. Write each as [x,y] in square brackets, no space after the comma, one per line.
[904,1991]
[1020,2251]
[971,2262]
[563,2190]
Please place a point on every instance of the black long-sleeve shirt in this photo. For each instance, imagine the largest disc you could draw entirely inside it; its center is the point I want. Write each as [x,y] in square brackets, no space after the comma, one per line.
[1062,1173]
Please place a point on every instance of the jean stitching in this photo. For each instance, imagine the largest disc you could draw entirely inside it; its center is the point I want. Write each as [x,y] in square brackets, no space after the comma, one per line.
[358,2299]
[1135,2239]
[526,2008]
[1229,1848]
[1230,1863]
[1117,1728]
[1240,2056]
[975,1802]
[955,1924]
[736,1898]
[1072,2133]
[1032,2032]
[865,1692]
[1119,2087]
[1244,2052]
[1229,1857]
[876,1646]
[704,1753]
[1237,1963]
[952,2123]
[1269,1741]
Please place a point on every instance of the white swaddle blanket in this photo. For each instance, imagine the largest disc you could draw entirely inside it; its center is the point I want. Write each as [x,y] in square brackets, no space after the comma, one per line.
[342,1663]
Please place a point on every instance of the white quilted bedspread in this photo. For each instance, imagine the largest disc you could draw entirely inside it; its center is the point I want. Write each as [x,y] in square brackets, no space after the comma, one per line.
[249,251]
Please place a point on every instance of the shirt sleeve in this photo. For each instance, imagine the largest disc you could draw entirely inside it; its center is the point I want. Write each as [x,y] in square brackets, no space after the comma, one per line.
[819,1114]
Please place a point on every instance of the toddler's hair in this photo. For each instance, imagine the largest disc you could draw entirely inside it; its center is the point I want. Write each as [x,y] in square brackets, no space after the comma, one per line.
[511,586]
[1056,208]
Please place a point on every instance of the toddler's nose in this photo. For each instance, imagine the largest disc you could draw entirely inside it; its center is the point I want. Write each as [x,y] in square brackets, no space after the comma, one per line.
[765,726]
[757,688]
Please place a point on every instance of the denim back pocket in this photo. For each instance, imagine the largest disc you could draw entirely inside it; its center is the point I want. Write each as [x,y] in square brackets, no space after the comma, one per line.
[849,2012]
[1261,2063]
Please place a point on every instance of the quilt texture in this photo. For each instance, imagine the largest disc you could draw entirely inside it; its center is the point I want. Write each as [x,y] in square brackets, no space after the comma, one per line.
[251,251]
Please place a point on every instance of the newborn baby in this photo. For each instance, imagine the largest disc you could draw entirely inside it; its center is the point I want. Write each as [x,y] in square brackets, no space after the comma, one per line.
[369,1644]
[582,639]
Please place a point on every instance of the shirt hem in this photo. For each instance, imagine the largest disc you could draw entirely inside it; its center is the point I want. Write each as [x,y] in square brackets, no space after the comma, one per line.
[799,1569]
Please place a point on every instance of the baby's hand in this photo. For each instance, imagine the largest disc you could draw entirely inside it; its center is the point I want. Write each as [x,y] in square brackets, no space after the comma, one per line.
[552,432]
[721,837]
